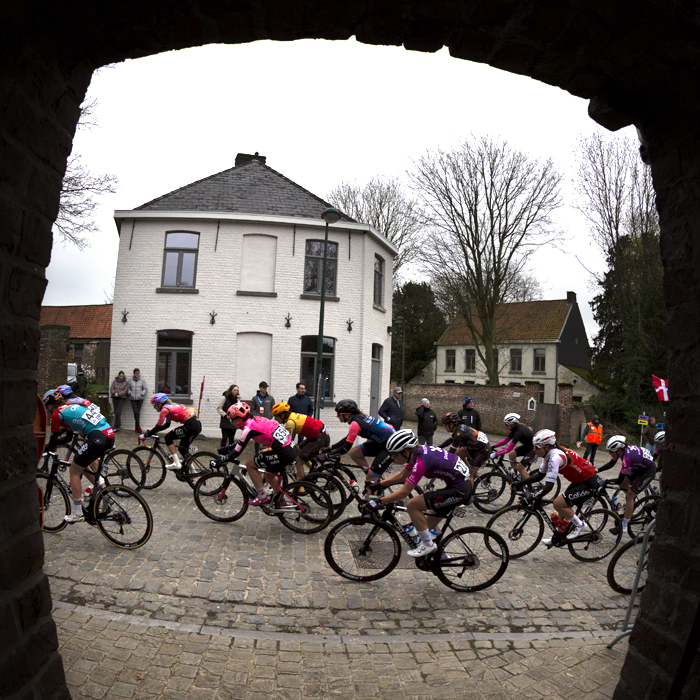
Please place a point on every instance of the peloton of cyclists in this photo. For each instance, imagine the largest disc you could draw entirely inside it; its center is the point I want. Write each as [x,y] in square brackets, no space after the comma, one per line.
[561,460]
[518,433]
[636,472]
[185,433]
[314,433]
[467,443]
[432,463]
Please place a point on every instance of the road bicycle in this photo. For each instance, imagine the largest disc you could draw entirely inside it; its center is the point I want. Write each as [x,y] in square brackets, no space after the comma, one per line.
[368,547]
[223,495]
[118,511]
[523,525]
[645,506]
[624,564]
[194,463]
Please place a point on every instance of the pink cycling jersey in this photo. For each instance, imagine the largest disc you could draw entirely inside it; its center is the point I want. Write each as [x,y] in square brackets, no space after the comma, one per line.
[176,412]
[264,431]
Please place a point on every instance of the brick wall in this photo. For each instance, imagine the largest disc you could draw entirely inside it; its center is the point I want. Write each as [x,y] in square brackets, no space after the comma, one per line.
[53,357]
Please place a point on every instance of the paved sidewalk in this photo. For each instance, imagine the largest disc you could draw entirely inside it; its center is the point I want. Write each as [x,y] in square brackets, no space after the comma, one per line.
[111,655]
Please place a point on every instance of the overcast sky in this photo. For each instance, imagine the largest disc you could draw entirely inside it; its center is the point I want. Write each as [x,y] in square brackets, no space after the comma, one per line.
[321,112]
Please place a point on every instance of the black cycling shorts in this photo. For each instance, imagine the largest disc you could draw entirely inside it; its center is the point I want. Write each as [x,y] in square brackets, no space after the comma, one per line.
[476,459]
[641,478]
[382,457]
[525,451]
[312,446]
[95,445]
[276,461]
[185,433]
[444,501]
[578,493]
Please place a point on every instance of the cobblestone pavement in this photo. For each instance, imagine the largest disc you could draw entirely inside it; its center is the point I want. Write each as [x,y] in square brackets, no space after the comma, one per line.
[109,655]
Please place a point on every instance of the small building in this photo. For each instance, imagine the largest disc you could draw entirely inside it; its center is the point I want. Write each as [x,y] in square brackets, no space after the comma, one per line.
[222,279]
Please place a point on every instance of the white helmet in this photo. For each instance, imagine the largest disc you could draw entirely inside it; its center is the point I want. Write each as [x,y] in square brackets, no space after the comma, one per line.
[544,437]
[511,419]
[615,443]
[402,440]
[660,437]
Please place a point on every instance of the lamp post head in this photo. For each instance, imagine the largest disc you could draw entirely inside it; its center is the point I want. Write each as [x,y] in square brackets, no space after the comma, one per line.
[331,215]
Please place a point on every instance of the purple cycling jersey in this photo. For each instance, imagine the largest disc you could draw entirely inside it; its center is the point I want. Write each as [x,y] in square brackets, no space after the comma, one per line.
[434,463]
[636,459]
[264,431]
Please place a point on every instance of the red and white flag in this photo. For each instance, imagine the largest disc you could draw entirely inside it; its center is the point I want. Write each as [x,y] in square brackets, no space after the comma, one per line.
[661,386]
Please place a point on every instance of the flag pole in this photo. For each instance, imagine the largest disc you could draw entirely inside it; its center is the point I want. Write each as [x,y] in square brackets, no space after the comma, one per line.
[201,391]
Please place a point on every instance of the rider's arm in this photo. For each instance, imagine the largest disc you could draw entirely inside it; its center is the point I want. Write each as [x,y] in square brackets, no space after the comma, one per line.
[343,446]
[607,466]
[162,424]
[447,442]
[537,476]
[507,448]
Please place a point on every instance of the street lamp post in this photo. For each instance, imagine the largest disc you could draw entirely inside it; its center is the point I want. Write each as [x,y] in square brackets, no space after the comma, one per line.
[403,348]
[330,216]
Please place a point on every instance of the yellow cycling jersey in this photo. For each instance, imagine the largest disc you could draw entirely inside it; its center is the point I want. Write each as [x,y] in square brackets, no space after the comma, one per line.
[303,425]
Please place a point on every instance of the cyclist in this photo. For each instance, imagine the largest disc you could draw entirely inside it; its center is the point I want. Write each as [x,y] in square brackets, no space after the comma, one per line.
[267,433]
[185,433]
[432,463]
[467,443]
[87,420]
[314,433]
[561,460]
[518,433]
[636,472]
[375,430]
[69,396]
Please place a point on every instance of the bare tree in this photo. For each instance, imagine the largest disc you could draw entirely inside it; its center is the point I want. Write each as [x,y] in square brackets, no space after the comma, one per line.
[79,192]
[383,204]
[489,207]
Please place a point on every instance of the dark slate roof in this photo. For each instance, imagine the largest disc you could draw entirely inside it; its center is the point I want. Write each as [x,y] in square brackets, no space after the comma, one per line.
[84,321]
[249,188]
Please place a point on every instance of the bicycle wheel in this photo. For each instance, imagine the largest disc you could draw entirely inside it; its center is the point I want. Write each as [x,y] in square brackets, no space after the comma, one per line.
[123,467]
[622,568]
[520,528]
[471,559]
[123,516]
[362,549]
[304,507]
[332,487]
[596,542]
[594,501]
[644,512]
[57,503]
[154,466]
[492,492]
[221,497]
[197,465]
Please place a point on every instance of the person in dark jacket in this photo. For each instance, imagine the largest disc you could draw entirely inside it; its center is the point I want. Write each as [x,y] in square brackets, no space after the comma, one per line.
[391,410]
[427,422]
[118,390]
[228,429]
[300,402]
[469,415]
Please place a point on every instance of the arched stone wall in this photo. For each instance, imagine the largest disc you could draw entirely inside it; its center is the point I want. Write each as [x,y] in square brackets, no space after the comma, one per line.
[635,63]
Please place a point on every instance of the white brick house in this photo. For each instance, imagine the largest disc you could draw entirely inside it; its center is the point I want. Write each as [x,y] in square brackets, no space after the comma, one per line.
[222,278]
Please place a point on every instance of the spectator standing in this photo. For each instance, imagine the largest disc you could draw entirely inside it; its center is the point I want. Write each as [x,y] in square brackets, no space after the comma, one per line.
[593,435]
[391,410]
[81,381]
[137,391]
[469,415]
[118,390]
[649,433]
[427,423]
[302,404]
[228,429]
[261,405]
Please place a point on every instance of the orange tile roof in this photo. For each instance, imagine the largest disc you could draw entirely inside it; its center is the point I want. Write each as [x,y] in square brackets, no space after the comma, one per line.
[84,321]
[525,320]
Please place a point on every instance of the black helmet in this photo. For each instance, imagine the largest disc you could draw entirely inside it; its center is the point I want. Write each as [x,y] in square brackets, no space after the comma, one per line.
[346,406]
[451,417]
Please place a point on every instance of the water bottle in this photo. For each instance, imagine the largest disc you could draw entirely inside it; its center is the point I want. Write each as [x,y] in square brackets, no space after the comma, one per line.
[86,495]
[412,532]
[356,487]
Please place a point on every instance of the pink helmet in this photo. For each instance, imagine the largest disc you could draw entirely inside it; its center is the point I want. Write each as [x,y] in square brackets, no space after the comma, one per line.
[238,412]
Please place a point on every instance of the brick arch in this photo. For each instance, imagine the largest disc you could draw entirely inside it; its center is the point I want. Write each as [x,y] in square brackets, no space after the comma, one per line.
[635,64]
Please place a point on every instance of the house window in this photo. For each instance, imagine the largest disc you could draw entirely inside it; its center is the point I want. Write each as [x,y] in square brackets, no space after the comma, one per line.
[180,259]
[450,360]
[313,267]
[78,349]
[470,360]
[539,361]
[309,355]
[379,281]
[174,359]
[516,360]
[540,398]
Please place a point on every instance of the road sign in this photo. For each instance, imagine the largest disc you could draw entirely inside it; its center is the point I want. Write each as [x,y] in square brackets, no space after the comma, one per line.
[643,420]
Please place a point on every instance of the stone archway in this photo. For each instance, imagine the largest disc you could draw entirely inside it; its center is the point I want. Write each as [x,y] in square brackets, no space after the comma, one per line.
[636,64]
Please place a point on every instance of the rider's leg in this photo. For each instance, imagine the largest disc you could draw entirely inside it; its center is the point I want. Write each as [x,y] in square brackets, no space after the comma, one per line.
[76,489]
[358,456]
[513,458]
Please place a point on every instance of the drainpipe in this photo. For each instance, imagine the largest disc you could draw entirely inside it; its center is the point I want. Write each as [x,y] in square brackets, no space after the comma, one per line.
[556,377]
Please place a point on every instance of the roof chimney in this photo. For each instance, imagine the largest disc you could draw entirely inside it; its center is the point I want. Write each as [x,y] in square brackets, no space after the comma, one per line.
[571,297]
[245,158]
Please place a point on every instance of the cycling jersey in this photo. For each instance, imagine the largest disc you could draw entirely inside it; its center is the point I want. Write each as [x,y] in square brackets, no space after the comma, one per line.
[82,418]
[374,429]
[463,437]
[176,412]
[519,433]
[304,425]
[635,459]
[434,463]
[264,431]
[567,463]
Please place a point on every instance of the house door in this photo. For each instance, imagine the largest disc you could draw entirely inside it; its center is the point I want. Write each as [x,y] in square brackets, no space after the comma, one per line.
[375,380]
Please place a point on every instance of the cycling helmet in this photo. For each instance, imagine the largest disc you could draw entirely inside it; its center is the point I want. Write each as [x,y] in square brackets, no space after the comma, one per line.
[615,443]
[64,390]
[51,396]
[238,412]
[281,407]
[346,406]
[402,440]
[451,417]
[660,437]
[544,437]
[511,419]
[159,398]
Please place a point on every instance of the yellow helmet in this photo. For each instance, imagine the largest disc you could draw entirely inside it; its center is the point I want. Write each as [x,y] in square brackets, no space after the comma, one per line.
[281,407]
